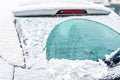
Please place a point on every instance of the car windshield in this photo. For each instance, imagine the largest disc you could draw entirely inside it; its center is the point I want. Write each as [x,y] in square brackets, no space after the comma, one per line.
[81,39]
[73,39]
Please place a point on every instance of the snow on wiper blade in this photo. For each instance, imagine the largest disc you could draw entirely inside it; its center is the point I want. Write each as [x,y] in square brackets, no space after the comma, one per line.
[113,58]
[112,54]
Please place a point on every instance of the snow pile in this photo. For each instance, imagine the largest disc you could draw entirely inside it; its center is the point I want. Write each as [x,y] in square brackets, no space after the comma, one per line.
[77,70]
[64,70]
[113,72]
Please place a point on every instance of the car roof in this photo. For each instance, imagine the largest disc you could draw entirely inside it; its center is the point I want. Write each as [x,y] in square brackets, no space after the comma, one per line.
[52,8]
[37,2]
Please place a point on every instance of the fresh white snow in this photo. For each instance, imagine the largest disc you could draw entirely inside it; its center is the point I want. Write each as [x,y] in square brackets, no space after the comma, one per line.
[34,33]
[6,70]
[9,45]
[33,39]
[63,70]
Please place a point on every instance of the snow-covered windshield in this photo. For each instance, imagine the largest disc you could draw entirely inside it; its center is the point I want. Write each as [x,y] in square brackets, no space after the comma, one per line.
[81,39]
[34,34]
[74,38]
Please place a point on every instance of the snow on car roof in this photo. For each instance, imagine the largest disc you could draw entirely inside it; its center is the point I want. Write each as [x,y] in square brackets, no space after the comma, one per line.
[52,8]
[36,2]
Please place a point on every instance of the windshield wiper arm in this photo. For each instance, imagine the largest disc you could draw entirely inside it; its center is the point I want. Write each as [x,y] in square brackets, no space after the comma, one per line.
[110,60]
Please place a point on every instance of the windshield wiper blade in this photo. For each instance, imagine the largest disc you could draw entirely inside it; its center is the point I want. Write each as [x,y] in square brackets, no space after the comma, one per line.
[110,60]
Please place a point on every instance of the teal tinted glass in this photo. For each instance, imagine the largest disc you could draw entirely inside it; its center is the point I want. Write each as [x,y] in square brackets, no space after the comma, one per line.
[81,39]
[111,7]
[119,12]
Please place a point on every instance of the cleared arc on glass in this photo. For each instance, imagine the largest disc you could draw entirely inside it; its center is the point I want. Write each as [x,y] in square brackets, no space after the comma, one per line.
[81,39]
